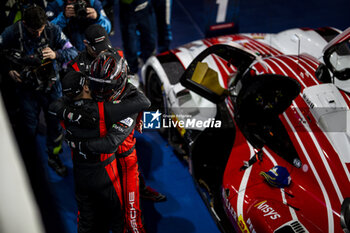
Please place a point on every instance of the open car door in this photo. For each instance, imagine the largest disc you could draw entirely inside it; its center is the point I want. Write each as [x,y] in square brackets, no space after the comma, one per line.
[203,80]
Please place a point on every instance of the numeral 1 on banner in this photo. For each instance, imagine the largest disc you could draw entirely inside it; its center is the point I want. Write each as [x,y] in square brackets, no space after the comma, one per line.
[222,10]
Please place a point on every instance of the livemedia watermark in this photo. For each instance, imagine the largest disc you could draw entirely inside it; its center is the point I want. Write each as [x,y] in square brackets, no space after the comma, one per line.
[157,120]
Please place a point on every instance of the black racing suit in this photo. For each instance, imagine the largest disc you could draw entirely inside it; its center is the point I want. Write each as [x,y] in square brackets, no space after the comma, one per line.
[81,62]
[126,155]
[97,181]
[127,165]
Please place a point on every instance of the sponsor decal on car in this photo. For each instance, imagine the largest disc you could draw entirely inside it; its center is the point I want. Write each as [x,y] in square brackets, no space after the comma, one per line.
[250,226]
[258,35]
[308,101]
[267,210]
[228,205]
[242,225]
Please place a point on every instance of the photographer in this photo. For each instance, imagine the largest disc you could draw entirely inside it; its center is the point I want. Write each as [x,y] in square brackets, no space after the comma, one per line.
[34,49]
[74,16]
[138,30]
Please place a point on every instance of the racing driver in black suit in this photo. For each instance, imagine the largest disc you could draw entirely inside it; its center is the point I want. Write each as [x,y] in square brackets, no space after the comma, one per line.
[96,175]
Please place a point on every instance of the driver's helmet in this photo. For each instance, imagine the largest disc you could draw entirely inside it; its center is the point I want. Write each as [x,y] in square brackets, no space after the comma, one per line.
[108,76]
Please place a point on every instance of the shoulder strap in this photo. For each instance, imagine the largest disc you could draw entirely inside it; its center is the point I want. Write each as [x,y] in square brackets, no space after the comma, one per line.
[20,36]
[45,33]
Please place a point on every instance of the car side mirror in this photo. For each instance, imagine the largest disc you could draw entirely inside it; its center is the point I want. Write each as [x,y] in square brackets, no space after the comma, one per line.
[208,78]
[204,81]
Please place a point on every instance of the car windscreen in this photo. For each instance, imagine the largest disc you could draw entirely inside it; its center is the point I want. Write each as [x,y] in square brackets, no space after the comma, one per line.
[259,103]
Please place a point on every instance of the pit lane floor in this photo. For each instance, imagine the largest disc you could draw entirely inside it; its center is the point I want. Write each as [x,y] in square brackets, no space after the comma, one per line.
[184,210]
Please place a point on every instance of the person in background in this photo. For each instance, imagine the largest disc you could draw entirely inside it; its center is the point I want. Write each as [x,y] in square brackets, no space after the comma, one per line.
[75,16]
[35,50]
[138,29]
[162,9]
[96,40]
[12,11]
[108,6]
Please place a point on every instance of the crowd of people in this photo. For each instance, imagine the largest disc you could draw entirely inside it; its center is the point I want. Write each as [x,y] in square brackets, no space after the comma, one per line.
[60,70]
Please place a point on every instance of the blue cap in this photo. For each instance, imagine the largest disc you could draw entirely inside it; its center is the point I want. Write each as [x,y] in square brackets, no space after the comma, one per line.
[277,176]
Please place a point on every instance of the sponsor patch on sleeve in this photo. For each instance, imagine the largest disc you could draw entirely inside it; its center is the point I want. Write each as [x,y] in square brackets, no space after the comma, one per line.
[127,121]
[119,128]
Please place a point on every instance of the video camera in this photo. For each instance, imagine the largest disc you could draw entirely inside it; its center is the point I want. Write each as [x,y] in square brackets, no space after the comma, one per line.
[35,72]
[80,8]
[39,52]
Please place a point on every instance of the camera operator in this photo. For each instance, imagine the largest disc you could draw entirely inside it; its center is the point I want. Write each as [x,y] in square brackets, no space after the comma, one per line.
[34,50]
[74,16]
[11,11]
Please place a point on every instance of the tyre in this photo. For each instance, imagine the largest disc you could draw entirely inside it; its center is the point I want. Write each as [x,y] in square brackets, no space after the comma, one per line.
[155,92]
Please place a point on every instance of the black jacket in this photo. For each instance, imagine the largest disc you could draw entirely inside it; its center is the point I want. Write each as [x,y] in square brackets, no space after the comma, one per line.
[120,120]
[81,62]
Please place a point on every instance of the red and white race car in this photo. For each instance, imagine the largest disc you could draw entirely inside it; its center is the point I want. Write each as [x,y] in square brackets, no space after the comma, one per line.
[265,120]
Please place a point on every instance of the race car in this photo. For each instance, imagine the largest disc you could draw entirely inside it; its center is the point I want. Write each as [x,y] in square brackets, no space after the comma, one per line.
[264,120]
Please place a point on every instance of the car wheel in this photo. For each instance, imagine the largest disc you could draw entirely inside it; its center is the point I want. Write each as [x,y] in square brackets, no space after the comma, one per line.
[208,159]
[154,91]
